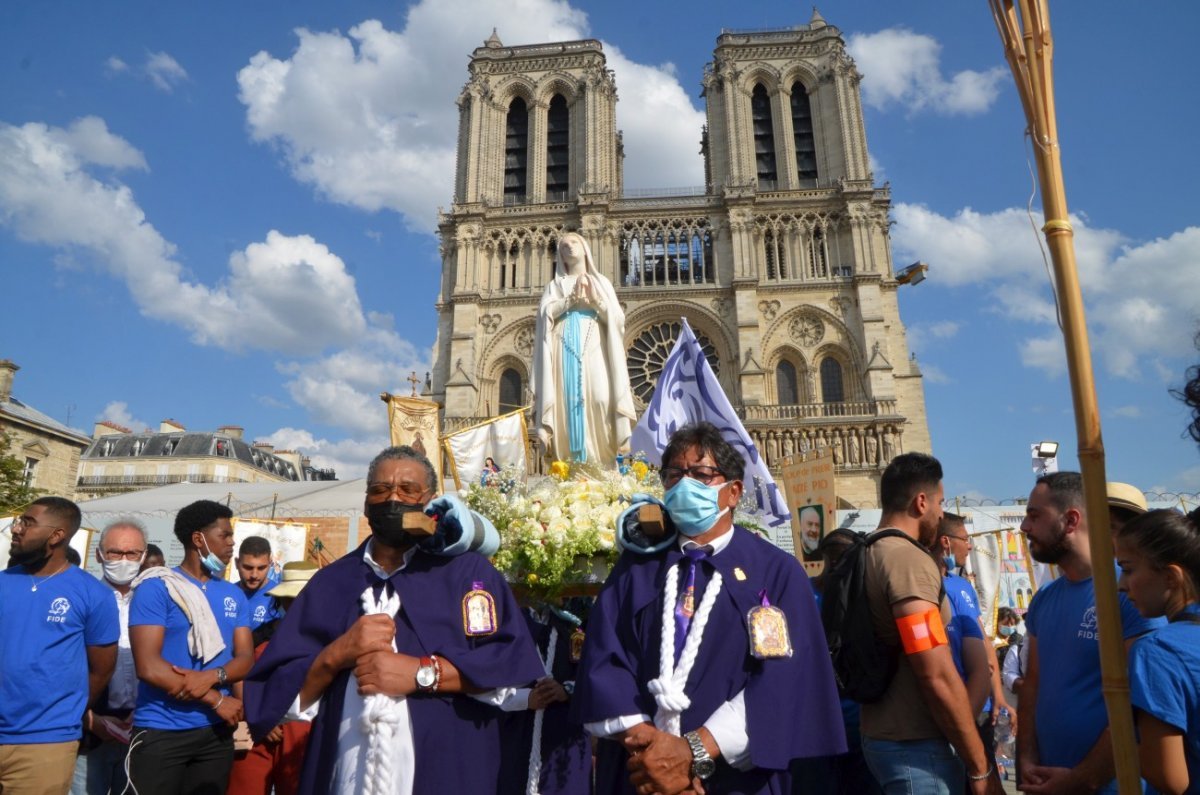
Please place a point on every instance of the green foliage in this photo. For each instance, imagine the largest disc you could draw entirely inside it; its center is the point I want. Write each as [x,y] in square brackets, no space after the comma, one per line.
[14,494]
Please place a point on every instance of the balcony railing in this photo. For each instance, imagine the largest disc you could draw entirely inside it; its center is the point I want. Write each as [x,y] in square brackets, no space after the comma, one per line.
[105,481]
[809,411]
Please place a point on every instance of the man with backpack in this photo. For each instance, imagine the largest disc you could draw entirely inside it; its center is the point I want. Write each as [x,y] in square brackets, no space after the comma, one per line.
[916,714]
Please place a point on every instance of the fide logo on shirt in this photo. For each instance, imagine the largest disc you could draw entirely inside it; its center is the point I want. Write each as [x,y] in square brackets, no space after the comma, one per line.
[260,614]
[1087,627]
[58,610]
[230,607]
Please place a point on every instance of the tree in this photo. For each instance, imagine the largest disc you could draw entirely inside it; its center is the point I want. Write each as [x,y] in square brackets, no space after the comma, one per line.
[15,493]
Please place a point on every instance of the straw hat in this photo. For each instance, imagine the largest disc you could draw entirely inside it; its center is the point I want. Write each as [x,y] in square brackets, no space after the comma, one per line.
[295,576]
[1126,497]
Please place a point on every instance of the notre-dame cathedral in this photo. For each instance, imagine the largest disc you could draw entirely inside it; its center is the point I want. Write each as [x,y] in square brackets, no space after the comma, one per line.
[781,263]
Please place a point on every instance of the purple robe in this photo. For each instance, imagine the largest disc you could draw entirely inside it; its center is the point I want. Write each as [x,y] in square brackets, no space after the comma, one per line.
[566,748]
[455,736]
[792,707]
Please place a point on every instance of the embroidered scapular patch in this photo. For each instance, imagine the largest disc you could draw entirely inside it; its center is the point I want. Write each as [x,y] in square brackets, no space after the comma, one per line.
[479,611]
[769,637]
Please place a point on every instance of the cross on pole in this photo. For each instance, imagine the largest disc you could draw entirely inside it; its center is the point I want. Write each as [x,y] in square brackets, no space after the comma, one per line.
[414,380]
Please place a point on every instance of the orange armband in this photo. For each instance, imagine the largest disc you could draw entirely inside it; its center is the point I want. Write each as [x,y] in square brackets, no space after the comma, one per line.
[921,631]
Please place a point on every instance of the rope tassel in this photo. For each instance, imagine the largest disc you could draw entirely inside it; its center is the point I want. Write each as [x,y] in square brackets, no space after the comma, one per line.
[669,689]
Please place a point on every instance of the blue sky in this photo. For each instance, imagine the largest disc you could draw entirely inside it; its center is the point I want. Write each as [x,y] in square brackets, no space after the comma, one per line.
[174,179]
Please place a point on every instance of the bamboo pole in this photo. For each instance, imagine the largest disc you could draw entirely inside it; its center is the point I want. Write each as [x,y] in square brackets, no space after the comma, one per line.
[1029,49]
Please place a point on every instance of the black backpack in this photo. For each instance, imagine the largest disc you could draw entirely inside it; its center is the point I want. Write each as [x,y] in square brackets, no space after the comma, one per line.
[863,665]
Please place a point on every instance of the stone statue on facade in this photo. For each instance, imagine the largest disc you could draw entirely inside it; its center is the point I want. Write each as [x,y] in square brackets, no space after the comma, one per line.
[583,405]
[855,449]
[889,445]
[839,457]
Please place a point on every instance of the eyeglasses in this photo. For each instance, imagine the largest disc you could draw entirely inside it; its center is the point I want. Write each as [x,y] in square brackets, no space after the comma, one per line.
[405,489]
[705,474]
[114,555]
[965,539]
[26,522]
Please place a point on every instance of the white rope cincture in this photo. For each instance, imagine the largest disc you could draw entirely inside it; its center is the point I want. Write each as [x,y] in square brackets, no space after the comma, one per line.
[381,713]
[669,688]
[535,754]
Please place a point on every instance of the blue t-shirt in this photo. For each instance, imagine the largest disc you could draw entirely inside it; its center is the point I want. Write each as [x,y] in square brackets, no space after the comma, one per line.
[44,635]
[1070,703]
[152,605]
[964,617]
[1164,681]
[260,607]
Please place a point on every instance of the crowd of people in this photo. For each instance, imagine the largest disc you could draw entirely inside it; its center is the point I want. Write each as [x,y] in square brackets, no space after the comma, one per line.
[707,662]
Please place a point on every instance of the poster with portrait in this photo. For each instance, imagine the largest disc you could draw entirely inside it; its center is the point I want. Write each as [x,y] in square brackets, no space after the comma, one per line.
[811,494]
[288,543]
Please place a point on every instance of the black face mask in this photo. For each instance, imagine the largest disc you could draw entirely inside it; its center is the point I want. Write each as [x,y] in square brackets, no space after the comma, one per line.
[33,558]
[387,522]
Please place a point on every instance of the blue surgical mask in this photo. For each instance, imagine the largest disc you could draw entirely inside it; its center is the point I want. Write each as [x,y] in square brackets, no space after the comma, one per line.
[950,563]
[693,506]
[1006,631]
[211,563]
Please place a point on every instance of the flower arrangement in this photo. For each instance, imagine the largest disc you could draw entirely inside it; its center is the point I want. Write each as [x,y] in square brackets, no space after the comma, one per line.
[555,532]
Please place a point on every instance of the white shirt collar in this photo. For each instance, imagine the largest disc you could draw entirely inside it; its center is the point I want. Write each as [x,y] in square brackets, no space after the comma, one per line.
[719,543]
[380,572]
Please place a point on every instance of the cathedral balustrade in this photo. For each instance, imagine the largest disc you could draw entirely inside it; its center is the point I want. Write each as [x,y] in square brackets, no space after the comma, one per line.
[885,407]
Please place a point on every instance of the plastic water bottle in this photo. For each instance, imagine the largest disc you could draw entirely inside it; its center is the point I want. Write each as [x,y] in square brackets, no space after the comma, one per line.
[1006,746]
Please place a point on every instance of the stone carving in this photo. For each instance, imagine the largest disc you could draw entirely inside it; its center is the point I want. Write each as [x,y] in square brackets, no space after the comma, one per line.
[583,405]
[789,445]
[721,305]
[872,448]
[808,330]
[889,444]
[490,323]
[769,309]
[839,455]
[855,452]
[523,341]
[772,449]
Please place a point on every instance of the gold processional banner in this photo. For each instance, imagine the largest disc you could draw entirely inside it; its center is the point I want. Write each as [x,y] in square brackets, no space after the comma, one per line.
[414,422]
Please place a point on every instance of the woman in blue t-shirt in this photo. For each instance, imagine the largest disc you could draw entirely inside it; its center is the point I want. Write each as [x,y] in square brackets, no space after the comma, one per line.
[1159,556]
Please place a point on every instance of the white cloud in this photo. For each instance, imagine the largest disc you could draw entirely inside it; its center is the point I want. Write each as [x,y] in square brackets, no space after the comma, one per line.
[1140,298]
[118,411]
[347,457]
[903,68]
[368,118]
[1127,412]
[934,374]
[285,294]
[115,65]
[164,71]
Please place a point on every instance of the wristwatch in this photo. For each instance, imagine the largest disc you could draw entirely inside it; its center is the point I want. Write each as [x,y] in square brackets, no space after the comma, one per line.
[703,765]
[222,676]
[426,675]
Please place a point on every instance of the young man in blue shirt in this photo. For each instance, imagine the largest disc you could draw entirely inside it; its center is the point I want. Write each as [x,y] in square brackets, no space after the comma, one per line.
[1064,743]
[58,646]
[254,570]
[186,708]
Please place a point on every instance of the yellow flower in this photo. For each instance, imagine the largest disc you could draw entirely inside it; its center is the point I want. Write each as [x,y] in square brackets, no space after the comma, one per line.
[531,578]
[640,469]
[560,470]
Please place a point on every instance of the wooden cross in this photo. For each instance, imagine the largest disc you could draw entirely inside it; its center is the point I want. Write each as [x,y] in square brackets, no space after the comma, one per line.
[414,380]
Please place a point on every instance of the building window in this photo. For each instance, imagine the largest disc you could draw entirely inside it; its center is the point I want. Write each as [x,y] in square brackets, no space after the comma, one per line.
[30,471]
[776,256]
[516,152]
[764,138]
[833,389]
[649,353]
[511,390]
[787,390]
[558,149]
[802,135]
[675,252]
[819,255]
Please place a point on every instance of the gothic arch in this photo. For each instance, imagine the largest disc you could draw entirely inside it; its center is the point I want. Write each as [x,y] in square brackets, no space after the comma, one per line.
[795,357]
[557,83]
[700,319]
[801,73]
[761,73]
[513,87]
[509,343]
[852,382]
[841,337]
[496,369]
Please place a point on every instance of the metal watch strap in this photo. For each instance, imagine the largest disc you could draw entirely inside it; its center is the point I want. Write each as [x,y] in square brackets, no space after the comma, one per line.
[222,675]
[703,765]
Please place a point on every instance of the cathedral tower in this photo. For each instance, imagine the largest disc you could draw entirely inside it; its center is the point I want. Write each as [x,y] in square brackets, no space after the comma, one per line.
[781,262]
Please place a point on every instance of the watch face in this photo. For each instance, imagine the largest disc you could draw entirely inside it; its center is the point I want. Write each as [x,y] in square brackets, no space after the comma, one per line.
[703,768]
[425,676]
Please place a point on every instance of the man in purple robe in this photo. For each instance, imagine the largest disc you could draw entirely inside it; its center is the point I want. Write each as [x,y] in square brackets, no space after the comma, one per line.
[402,699]
[563,762]
[705,663]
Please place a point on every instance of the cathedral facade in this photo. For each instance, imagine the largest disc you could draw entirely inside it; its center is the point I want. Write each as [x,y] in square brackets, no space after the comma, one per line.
[781,262]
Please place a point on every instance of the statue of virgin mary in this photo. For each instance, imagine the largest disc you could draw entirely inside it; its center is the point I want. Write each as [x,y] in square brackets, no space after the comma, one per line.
[583,406]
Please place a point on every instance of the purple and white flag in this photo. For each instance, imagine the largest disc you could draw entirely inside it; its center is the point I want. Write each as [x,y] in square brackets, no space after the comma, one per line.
[688,392]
